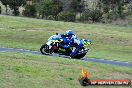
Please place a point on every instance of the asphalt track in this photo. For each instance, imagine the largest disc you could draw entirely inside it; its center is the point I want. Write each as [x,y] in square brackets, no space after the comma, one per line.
[117,63]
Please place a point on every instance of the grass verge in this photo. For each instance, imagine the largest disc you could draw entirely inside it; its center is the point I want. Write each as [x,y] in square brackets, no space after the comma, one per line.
[34,71]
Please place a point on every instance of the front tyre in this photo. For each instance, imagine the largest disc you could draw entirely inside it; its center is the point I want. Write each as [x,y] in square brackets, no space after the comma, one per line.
[80,56]
[81,53]
[45,49]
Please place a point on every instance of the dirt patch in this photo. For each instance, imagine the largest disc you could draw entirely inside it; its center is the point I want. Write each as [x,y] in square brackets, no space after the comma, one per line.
[42,29]
[121,22]
[35,30]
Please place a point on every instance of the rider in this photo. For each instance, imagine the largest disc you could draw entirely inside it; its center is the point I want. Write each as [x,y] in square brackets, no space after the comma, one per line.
[68,39]
[73,40]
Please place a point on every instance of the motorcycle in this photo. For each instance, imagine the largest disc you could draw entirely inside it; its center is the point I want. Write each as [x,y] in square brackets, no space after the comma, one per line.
[57,49]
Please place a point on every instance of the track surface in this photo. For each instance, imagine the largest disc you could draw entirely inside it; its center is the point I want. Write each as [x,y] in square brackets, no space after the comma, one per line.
[126,64]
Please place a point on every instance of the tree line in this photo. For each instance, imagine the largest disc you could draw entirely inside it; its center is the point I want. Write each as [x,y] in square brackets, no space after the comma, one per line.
[72,10]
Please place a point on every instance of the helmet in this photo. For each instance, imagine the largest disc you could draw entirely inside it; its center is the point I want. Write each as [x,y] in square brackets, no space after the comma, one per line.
[86,42]
[69,32]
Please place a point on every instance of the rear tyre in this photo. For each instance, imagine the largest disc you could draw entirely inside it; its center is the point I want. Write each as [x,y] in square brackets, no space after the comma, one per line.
[45,49]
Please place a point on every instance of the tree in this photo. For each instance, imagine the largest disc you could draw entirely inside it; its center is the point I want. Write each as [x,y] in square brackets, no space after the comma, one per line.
[112,6]
[92,15]
[66,5]
[74,5]
[5,3]
[15,4]
[38,5]
[51,8]
[56,8]
[30,11]
[46,9]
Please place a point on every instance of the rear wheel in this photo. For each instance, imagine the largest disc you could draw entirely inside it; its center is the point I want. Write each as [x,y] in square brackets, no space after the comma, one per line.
[45,49]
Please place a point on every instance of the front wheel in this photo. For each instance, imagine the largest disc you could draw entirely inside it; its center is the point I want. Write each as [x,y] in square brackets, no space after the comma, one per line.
[81,53]
[80,56]
[45,49]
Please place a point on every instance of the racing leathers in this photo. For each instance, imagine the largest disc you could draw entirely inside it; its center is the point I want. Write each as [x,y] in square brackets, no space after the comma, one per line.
[69,41]
[79,45]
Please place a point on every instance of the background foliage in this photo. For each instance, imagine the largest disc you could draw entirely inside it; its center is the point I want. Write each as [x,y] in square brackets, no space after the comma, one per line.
[72,10]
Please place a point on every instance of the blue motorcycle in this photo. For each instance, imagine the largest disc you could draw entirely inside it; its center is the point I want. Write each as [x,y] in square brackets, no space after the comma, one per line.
[57,49]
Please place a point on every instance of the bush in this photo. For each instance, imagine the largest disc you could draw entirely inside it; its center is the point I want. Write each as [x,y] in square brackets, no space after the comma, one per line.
[113,15]
[30,11]
[92,15]
[85,15]
[67,16]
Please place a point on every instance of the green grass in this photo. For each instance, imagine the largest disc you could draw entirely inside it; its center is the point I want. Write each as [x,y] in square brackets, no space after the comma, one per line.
[108,41]
[35,71]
